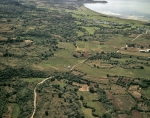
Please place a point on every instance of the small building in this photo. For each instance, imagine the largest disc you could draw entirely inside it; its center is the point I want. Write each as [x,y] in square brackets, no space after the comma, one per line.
[28,42]
[148,50]
[142,50]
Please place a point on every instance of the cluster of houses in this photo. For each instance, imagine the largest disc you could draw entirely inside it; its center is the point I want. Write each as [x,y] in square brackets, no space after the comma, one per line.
[111,23]
[146,50]
[137,30]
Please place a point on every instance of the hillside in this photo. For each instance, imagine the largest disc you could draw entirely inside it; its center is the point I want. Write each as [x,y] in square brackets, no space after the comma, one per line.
[64,60]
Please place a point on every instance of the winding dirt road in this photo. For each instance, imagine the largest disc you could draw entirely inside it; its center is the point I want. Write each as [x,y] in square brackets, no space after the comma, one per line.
[35,94]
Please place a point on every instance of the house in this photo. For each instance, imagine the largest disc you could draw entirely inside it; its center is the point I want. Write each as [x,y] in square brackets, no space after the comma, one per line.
[28,42]
[142,50]
[148,50]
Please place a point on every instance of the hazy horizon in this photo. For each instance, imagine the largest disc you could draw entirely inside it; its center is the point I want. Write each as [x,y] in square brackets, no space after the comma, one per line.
[132,9]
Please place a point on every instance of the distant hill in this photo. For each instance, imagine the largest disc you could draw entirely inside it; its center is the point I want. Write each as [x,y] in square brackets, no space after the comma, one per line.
[79,1]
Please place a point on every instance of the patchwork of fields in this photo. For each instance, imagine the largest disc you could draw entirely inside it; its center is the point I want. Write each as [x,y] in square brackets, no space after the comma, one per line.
[100,64]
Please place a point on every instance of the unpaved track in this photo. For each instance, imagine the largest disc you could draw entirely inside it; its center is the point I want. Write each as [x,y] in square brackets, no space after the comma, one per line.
[78,64]
[35,94]
[140,35]
[136,37]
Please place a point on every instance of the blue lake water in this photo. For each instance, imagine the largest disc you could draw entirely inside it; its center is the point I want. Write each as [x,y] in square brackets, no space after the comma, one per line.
[129,9]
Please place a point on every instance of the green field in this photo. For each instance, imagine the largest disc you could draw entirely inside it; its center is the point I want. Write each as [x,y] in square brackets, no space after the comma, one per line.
[90,30]
[146,93]
[87,113]
[16,110]
[88,97]
[32,79]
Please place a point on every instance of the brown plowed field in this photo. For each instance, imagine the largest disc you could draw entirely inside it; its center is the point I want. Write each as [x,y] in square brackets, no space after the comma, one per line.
[136,114]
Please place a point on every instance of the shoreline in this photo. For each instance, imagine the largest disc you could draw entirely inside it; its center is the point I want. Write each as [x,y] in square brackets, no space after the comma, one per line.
[142,21]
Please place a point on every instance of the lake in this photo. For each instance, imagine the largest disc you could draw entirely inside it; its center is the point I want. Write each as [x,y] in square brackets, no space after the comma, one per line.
[129,9]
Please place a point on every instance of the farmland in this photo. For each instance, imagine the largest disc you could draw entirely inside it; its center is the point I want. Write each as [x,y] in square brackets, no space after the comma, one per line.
[98,65]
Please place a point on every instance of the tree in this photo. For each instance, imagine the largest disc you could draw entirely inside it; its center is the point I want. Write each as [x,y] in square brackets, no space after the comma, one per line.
[106,115]
[91,89]
[141,67]
[81,97]
[107,75]
[46,113]
[59,95]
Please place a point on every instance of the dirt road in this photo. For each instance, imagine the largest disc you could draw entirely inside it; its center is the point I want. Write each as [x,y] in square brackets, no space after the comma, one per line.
[136,37]
[35,94]
[78,64]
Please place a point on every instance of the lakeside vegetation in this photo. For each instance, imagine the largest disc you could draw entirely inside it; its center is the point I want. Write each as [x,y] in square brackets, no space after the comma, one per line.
[100,64]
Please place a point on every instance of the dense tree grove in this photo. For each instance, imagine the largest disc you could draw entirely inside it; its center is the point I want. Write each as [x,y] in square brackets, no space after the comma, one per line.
[19,94]
[21,73]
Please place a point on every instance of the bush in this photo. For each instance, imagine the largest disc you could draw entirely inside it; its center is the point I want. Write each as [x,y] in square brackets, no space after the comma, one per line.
[46,113]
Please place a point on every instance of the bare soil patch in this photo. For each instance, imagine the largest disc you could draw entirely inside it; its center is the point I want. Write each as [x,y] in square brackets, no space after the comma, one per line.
[118,90]
[125,102]
[142,106]
[103,81]
[8,113]
[135,91]
[123,116]
[37,67]
[83,87]
[136,114]
[113,100]
[77,73]
[110,95]
[113,79]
